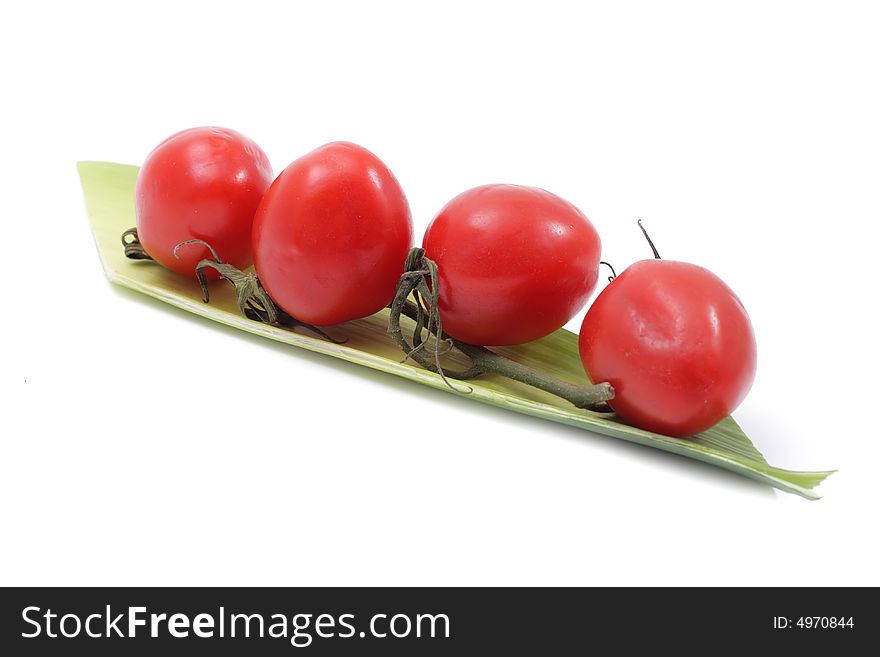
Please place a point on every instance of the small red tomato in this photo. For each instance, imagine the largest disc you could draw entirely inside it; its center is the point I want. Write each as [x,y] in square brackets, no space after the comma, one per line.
[676,344]
[201,183]
[515,263]
[331,235]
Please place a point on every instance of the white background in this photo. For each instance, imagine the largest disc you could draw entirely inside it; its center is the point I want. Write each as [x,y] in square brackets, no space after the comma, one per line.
[133,448]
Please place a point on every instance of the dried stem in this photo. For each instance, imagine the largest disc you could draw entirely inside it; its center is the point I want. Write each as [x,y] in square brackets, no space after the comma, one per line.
[253,300]
[425,313]
[134,250]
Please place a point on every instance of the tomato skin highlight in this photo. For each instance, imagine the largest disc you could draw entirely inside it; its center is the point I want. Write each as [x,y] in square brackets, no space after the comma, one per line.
[675,342]
[515,263]
[332,234]
[202,183]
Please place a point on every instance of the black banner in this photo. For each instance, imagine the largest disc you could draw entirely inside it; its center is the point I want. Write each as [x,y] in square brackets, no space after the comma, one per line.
[444,621]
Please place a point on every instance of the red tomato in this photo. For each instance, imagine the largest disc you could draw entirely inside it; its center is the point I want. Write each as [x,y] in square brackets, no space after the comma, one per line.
[201,183]
[515,263]
[331,235]
[676,344]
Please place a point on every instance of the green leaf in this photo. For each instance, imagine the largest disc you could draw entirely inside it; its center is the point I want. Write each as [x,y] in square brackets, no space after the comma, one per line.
[109,195]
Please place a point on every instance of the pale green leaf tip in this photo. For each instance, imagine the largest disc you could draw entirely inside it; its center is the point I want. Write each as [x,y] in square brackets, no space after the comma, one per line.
[798,482]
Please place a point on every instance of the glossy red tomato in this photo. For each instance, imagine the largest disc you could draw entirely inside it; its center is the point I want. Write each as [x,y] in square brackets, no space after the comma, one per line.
[201,183]
[675,342]
[515,263]
[331,235]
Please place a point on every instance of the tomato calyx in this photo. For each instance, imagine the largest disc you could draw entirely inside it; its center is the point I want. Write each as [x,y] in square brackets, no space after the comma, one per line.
[253,300]
[420,279]
[133,248]
[418,270]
